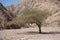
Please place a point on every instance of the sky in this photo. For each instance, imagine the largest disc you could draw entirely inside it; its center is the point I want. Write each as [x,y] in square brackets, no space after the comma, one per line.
[9,2]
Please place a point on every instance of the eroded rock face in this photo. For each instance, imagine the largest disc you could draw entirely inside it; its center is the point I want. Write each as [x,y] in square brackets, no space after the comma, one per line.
[53,6]
[50,5]
[5,16]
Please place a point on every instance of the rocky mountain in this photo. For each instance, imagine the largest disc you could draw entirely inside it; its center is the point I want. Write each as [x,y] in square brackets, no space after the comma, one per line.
[5,16]
[53,6]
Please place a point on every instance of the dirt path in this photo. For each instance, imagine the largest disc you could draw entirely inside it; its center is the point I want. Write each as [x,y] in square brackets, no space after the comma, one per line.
[49,33]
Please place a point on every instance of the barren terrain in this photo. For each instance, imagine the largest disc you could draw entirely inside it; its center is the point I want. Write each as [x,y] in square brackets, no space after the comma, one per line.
[49,33]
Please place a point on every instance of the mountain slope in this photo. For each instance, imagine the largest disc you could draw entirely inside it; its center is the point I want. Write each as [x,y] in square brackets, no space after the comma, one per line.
[5,16]
[53,6]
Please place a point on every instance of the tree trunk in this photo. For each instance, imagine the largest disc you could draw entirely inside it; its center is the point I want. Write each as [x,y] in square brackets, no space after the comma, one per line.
[39,26]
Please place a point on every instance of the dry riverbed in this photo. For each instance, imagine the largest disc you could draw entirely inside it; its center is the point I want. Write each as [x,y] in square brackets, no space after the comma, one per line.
[49,33]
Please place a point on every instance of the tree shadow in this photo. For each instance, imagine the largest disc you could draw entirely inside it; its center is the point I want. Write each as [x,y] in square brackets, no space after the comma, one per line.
[35,32]
[50,32]
[32,32]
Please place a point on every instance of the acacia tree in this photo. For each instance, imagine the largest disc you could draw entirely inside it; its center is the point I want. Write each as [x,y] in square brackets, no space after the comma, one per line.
[32,16]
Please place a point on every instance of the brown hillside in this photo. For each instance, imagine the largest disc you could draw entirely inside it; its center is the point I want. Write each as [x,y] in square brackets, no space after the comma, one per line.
[53,6]
[5,16]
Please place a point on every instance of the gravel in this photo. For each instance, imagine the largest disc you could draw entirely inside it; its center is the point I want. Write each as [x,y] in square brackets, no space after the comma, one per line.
[49,33]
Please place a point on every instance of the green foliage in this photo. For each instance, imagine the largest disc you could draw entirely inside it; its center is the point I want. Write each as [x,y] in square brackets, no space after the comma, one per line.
[31,16]
[27,16]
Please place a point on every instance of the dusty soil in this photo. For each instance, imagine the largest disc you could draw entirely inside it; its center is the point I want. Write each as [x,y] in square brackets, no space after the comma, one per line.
[49,33]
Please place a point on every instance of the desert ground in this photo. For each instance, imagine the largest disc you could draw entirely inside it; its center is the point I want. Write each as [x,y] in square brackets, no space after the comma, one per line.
[48,33]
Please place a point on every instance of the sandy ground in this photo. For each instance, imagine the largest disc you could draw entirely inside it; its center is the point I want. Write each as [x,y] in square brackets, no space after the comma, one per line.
[49,33]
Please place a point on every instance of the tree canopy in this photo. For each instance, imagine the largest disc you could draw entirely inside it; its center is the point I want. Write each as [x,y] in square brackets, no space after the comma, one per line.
[31,16]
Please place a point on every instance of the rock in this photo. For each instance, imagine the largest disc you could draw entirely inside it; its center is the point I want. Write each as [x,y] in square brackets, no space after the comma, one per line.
[5,16]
